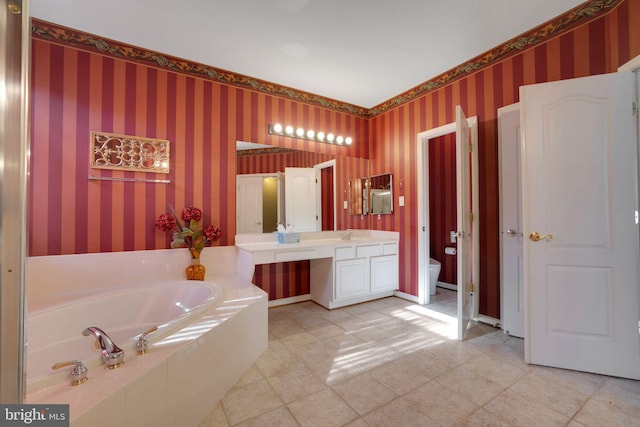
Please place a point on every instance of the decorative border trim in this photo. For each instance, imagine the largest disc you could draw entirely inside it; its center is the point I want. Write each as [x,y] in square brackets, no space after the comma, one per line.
[579,15]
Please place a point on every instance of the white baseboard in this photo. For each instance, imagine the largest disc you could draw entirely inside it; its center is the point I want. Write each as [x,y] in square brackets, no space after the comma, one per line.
[290,300]
[406,296]
[446,285]
[489,320]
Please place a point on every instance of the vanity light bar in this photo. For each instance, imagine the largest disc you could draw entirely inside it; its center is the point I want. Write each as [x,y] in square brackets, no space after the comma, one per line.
[308,134]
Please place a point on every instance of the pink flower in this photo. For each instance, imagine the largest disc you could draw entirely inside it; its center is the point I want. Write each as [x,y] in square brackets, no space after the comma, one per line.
[191,214]
[212,233]
[166,222]
[190,234]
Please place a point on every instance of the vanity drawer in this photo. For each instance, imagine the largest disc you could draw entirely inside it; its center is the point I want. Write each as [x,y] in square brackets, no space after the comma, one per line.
[347,252]
[390,249]
[368,250]
[287,256]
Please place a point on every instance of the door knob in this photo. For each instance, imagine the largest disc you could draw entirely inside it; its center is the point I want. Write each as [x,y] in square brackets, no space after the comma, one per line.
[513,233]
[536,237]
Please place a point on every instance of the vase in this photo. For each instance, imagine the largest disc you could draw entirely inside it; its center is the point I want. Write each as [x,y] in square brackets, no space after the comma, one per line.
[196,270]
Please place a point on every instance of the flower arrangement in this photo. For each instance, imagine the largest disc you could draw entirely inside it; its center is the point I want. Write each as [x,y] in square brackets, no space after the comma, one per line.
[188,235]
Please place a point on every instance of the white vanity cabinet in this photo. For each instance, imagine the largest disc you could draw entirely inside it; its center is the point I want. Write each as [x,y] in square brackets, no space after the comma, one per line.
[342,272]
[384,269]
[363,272]
[352,278]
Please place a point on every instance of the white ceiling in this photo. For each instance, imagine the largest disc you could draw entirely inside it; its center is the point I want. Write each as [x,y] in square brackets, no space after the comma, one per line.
[363,52]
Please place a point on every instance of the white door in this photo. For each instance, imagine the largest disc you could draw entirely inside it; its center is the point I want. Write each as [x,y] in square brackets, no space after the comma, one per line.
[249,204]
[463,182]
[300,198]
[511,252]
[580,196]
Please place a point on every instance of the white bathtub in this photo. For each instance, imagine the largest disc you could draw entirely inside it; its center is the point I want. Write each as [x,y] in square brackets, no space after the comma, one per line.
[193,360]
[54,334]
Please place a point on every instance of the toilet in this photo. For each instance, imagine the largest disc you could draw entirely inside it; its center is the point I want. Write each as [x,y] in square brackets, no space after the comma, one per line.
[434,273]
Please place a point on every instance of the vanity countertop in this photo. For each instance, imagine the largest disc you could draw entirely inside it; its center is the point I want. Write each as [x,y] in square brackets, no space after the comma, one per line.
[322,239]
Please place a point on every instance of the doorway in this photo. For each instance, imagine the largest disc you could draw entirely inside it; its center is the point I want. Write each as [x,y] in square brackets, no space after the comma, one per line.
[466,232]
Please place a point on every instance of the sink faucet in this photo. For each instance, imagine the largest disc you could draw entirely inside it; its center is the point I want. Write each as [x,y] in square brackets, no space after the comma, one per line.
[112,355]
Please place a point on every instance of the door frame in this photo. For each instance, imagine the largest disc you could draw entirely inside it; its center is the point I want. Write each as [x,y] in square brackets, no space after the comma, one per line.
[318,168]
[422,157]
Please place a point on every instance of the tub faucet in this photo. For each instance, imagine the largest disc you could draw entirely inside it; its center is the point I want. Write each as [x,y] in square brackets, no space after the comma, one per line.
[112,355]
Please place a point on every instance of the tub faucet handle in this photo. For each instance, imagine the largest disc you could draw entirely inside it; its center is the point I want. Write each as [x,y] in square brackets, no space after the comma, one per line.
[78,373]
[142,346]
[112,355]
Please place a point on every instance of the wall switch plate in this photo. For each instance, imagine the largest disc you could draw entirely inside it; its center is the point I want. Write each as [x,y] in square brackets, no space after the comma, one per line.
[345,204]
[401,201]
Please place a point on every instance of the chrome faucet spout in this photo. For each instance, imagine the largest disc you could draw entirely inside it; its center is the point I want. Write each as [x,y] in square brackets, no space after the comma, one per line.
[112,355]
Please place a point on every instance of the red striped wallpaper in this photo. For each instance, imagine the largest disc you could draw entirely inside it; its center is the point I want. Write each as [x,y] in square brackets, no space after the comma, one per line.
[443,203]
[77,89]
[261,162]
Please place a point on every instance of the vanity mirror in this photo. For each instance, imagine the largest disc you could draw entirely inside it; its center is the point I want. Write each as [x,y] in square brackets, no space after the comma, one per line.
[257,163]
[381,194]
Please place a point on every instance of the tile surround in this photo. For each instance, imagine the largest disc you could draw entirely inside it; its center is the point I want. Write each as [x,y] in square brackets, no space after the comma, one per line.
[357,378]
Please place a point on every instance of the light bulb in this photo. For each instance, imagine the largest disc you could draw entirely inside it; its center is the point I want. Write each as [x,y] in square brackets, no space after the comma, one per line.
[321,136]
[339,139]
[348,140]
[310,134]
[289,130]
[277,128]
[330,137]
[300,132]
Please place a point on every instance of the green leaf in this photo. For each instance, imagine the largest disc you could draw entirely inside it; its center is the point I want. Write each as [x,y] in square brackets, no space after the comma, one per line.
[177,242]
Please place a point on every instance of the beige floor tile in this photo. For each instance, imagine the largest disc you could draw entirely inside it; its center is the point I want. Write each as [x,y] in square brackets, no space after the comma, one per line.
[246,402]
[398,364]
[399,412]
[251,376]
[474,387]
[280,417]
[358,423]
[451,353]
[276,360]
[441,403]
[296,383]
[303,340]
[284,327]
[404,374]
[312,321]
[482,418]
[323,409]
[521,412]
[585,382]
[496,369]
[364,393]
[599,411]
[623,393]
[216,418]
[327,330]
[552,394]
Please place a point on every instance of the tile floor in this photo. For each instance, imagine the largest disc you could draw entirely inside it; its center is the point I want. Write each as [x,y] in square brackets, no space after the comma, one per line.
[394,363]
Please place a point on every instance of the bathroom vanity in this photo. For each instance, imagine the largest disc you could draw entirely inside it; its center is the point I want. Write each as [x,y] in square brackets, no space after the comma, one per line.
[347,267]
